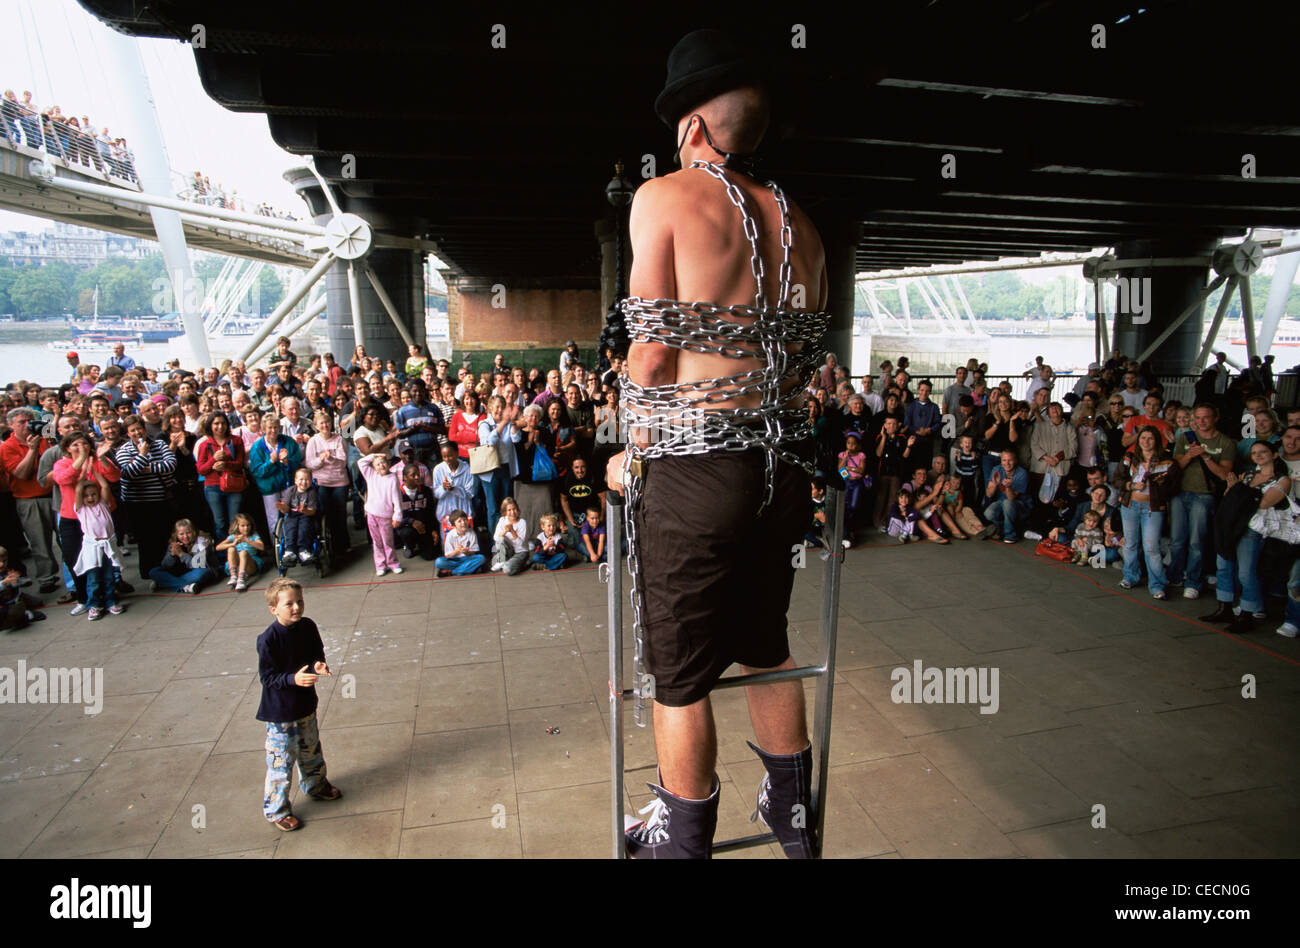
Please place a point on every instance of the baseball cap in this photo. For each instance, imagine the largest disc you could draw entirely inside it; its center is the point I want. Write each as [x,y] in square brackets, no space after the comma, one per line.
[403,445]
[72,354]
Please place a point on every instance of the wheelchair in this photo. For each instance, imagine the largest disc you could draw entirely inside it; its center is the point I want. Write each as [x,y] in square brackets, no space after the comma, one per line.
[321,549]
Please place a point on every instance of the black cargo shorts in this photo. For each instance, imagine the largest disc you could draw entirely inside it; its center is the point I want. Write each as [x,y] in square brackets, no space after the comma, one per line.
[716,576]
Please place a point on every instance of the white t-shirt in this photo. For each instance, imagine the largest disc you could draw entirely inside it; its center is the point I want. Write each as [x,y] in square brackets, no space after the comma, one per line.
[1133,399]
[518,533]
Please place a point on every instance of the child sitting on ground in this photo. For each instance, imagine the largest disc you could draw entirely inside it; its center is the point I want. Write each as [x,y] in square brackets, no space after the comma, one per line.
[550,545]
[1088,535]
[510,542]
[965,463]
[290,657]
[460,555]
[593,536]
[816,536]
[903,518]
[961,519]
[243,552]
[299,505]
[17,608]
[184,567]
[98,558]
[383,510]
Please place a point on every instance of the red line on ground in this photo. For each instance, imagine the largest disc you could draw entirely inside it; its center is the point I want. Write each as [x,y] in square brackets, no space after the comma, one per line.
[1151,605]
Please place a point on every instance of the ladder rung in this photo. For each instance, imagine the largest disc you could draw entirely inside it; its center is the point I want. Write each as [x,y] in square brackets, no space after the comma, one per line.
[744,842]
[737,681]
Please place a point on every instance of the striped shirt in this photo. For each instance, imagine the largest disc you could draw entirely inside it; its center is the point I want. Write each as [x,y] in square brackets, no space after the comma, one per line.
[146,477]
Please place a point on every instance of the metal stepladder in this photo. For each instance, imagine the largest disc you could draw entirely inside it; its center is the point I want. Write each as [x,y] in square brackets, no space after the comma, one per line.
[612,572]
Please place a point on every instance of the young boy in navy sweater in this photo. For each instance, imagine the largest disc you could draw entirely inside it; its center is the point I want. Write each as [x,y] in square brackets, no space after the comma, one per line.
[290,657]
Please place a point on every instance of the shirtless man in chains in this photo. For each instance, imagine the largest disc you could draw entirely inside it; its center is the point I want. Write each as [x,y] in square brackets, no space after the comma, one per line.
[715,561]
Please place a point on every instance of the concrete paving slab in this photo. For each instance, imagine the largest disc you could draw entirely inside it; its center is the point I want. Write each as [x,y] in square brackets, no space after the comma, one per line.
[497,838]
[126,802]
[455,697]
[460,775]
[1103,699]
[362,836]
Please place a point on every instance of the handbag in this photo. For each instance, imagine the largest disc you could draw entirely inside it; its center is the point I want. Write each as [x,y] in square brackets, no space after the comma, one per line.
[1047,492]
[484,459]
[1277,523]
[543,467]
[1054,550]
[233,481]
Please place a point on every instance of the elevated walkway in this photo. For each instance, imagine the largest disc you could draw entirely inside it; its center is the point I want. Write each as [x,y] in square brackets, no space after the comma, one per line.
[23,193]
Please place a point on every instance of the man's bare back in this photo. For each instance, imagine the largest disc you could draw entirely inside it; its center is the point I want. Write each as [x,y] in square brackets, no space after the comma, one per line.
[688,245]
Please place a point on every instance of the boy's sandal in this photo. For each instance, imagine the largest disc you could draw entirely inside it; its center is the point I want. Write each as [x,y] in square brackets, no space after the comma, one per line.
[288,823]
[330,792]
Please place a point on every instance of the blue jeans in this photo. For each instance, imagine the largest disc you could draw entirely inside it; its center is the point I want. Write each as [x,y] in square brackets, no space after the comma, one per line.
[287,743]
[1293,590]
[1140,521]
[299,533]
[173,583]
[101,586]
[496,488]
[224,506]
[460,565]
[1005,513]
[334,504]
[987,463]
[551,561]
[358,488]
[1189,524]
[1243,574]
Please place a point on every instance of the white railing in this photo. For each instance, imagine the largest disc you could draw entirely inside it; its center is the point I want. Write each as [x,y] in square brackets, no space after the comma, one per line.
[61,138]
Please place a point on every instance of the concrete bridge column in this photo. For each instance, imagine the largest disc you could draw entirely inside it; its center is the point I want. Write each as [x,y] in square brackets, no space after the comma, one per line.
[1171,290]
[840,240]
[401,272]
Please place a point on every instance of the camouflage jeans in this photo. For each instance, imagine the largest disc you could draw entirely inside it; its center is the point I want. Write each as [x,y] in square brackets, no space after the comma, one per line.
[287,743]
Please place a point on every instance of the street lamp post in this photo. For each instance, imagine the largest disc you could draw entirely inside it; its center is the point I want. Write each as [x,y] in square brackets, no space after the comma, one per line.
[619,193]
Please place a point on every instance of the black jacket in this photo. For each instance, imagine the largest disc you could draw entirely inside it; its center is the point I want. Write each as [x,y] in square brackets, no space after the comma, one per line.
[281,652]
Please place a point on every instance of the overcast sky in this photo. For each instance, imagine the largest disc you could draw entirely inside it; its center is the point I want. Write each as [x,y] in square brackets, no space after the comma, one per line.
[57,50]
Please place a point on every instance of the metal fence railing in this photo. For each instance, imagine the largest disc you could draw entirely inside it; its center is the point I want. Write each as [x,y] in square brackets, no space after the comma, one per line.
[75,143]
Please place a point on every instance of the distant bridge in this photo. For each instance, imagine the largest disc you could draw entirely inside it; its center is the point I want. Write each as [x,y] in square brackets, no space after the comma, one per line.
[23,193]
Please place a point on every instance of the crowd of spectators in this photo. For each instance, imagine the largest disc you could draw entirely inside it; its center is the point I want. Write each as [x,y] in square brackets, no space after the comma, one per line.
[202,191]
[505,469]
[499,471]
[1190,494]
[76,141]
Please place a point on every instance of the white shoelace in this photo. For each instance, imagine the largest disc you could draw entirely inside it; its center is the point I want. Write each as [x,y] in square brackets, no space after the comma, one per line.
[763,787]
[655,827]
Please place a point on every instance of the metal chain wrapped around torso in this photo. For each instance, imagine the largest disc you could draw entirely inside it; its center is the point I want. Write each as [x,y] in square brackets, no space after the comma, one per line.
[681,418]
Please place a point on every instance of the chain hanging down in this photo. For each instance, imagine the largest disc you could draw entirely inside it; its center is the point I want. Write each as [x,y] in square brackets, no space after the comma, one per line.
[682,418]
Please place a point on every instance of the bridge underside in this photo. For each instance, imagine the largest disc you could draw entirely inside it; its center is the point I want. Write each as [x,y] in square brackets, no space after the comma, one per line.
[918,132]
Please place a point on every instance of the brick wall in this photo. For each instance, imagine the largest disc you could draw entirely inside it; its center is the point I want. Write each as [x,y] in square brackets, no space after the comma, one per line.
[529,318]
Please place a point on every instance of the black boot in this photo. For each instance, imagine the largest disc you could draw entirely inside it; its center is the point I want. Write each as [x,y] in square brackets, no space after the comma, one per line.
[785,801]
[1223,613]
[676,828]
[1242,624]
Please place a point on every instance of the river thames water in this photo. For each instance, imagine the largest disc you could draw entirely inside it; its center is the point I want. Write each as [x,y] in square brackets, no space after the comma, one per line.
[1008,355]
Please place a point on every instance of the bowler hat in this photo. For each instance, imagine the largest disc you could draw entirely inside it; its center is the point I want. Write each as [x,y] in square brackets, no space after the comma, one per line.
[702,65]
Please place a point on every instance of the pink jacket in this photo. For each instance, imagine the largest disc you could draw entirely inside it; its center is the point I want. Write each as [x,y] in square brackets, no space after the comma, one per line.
[331,473]
[382,499]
